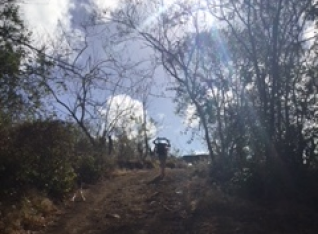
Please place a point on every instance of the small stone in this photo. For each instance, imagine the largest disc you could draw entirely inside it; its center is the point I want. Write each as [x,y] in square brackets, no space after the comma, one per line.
[116,216]
[179,192]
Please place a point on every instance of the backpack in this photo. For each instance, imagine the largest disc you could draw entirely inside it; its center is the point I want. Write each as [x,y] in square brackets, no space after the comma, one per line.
[161,148]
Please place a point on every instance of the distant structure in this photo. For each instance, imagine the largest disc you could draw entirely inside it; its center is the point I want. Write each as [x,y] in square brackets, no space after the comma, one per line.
[195,158]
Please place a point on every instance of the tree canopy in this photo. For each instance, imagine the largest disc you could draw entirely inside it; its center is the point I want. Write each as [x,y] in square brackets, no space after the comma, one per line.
[21,69]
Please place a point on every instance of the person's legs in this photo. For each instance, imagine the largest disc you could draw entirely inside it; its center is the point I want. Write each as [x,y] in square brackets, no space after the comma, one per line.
[162,159]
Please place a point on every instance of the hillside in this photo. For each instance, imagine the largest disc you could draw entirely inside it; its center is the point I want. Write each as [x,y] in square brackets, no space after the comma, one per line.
[135,202]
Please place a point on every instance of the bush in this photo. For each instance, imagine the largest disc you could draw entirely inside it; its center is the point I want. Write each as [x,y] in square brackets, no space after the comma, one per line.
[266,182]
[48,155]
[88,169]
[38,154]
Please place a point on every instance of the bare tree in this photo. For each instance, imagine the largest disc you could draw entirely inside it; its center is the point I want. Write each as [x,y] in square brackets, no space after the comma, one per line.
[84,81]
[164,32]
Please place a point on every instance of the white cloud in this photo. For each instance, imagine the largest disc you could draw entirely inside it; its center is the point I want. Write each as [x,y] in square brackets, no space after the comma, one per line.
[104,8]
[102,4]
[43,17]
[191,120]
[125,114]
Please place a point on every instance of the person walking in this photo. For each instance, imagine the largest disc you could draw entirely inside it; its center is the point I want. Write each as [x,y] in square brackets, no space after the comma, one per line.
[162,146]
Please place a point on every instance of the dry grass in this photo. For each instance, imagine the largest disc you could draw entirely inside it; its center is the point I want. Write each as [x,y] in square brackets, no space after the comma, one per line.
[173,162]
[119,172]
[31,213]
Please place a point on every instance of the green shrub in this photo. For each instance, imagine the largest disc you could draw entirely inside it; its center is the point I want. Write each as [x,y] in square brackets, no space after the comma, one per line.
[48,155]
[38,154]
[10,165]
[88,169]
[264,182]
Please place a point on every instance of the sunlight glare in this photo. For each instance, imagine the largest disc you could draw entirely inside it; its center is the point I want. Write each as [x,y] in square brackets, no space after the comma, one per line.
[204,18]
[166,5]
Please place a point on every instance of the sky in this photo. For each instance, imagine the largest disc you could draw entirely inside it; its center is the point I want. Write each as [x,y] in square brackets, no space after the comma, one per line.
[43,17]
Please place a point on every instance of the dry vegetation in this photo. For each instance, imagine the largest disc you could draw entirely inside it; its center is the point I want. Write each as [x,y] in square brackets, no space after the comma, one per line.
[32,212]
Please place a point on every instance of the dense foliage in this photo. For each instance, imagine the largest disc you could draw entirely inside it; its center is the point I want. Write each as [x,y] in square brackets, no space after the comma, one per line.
[38,155]
[22,70]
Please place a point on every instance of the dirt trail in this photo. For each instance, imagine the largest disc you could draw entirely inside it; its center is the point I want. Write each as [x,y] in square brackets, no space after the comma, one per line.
[132,203]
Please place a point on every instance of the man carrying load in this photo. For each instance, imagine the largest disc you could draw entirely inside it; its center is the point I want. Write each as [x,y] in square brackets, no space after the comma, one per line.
[162,146]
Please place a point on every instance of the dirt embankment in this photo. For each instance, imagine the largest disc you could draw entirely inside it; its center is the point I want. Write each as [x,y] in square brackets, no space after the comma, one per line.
[135,202]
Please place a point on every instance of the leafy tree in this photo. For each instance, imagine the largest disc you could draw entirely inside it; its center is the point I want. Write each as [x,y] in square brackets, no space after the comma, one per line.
[21,69]
[267,42]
